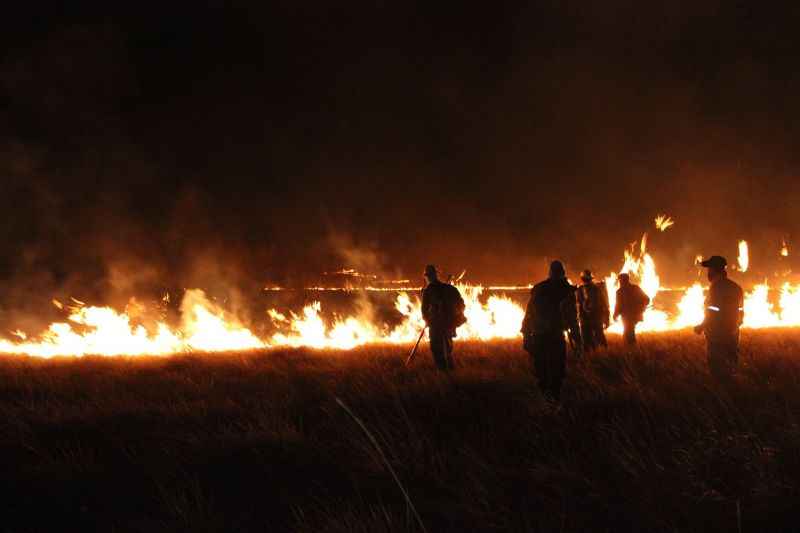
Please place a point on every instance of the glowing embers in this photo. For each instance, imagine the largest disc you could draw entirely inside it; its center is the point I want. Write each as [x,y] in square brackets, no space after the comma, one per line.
[663,222]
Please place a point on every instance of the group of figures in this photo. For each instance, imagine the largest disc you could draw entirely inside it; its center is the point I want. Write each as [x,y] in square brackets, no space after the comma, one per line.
[559,312]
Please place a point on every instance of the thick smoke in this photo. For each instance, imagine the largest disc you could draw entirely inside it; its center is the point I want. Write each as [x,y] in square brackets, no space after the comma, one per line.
[230,148]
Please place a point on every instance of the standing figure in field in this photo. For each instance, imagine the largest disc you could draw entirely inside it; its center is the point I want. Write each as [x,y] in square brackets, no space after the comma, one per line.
[724,314]
[551,310]
[592,302]
[443,311]
[631,305]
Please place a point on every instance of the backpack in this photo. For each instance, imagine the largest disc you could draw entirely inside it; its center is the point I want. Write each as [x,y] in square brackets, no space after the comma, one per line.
[445,306]
[593,300]
[641,301]
[604,310]
[457,307]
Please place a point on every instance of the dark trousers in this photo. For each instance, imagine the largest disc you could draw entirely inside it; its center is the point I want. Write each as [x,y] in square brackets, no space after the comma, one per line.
[442,348]
[629,331]
[723,354]
[593,334]
[549,354]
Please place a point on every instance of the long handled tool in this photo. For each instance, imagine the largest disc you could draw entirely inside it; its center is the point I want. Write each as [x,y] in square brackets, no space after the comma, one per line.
[414,350]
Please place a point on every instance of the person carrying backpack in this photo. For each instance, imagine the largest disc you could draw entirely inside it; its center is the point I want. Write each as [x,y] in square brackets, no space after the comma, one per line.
[592,301]
[443,312]
[551,311]
[631,305]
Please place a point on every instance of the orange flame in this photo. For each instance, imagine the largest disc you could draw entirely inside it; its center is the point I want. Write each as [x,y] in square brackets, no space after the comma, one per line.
[663,222]
[107,332]
[499,317]
[744,256]
[207,327]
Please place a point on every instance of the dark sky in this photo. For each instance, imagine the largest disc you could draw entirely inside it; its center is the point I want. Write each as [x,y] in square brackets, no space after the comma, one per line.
[180,144]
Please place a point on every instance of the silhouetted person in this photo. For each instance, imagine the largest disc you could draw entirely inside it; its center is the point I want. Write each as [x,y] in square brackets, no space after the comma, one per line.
[631,305]
[724,314]
[593,312]
[550,311]
[443,311]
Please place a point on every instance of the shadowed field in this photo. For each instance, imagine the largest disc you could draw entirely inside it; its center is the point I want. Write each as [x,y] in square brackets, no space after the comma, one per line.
[258,442]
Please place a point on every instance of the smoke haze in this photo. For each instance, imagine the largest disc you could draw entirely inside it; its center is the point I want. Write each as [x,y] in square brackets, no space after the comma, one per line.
[232,147]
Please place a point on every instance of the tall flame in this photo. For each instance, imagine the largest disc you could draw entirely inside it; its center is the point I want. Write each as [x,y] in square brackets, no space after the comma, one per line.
[642,270]
[744,256]
[690,308]
[758,311]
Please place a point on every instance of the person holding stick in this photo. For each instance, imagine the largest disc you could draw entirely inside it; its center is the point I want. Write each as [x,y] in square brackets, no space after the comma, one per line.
[443,312]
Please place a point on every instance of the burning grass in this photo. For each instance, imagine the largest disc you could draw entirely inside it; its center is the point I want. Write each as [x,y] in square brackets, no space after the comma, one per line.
[257,441]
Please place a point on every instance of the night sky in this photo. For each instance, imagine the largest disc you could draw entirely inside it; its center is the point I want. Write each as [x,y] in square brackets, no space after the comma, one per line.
[190,144]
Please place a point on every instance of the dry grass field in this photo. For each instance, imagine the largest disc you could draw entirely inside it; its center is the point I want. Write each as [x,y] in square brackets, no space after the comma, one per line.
[258,442]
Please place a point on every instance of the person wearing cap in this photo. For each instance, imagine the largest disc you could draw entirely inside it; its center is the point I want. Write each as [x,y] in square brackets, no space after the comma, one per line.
[592,302]
[631,305]
[443,312]
[724,313]
[551,309]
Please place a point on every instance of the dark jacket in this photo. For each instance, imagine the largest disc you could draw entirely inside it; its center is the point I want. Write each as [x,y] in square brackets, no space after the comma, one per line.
[441,306]
[592,302]
[631,303]
[724,308]
[551,309]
